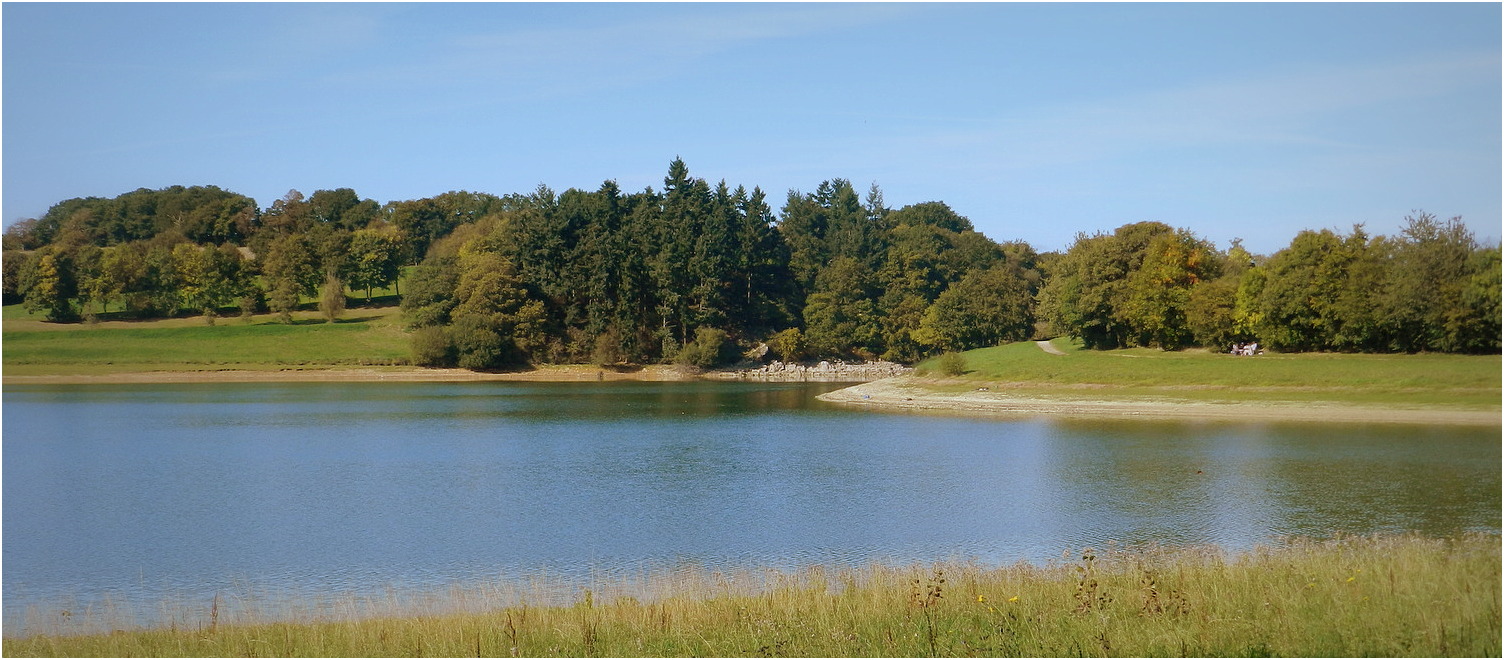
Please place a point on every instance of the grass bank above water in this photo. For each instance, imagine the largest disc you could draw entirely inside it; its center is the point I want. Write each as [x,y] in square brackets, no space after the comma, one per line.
[1386,596]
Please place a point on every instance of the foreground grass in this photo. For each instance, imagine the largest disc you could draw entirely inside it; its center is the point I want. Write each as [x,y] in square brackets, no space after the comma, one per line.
[1386,596]
[363,336]
[1460,381]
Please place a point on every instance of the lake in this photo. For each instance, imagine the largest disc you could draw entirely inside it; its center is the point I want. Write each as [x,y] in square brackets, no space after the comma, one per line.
[128,497]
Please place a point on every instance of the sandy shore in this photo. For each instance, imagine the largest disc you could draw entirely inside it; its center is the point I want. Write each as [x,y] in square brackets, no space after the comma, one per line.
[571,373]
[908,394]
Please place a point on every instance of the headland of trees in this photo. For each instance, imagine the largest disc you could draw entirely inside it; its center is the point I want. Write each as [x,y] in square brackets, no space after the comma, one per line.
[694,271]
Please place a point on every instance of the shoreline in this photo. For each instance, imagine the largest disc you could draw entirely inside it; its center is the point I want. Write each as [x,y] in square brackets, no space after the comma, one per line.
[564,373]
[898,394]
[907,394]
[559,374]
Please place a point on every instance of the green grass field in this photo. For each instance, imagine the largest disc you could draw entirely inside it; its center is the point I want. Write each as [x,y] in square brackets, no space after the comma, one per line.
[1385,596]
[363,336]
[1468,381]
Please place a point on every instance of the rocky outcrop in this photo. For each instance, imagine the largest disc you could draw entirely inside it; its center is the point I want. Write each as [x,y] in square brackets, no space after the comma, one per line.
[824,372]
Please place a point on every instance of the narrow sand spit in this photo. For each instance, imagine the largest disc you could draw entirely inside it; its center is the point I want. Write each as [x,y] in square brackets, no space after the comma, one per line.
[906,394]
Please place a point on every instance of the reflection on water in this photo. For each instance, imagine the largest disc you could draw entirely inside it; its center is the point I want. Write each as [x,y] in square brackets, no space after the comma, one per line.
[150,493]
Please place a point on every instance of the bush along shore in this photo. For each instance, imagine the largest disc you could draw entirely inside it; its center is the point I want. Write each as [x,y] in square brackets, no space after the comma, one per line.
[1402,595]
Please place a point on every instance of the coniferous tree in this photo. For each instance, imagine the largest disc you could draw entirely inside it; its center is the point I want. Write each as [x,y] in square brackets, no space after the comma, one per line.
[764,280]
[802,224]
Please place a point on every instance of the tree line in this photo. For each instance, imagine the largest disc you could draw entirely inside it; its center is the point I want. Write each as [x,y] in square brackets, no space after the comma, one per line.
[1432,288]
[690,272]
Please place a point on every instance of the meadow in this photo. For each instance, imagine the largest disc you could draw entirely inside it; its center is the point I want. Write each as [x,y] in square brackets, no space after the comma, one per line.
[362,336]
[1422,379]
[1357,596]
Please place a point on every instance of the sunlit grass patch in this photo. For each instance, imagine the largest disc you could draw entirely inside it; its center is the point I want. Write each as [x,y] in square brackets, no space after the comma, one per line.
[363,336]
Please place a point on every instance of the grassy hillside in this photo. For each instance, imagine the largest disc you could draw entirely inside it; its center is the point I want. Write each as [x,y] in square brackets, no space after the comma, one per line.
[1394,596]
[1421,379]
[363,336]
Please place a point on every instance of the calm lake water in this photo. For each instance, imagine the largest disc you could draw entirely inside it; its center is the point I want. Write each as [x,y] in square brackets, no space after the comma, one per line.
[148,494]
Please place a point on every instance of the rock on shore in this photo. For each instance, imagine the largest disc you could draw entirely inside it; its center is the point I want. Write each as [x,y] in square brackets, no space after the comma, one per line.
[824,372]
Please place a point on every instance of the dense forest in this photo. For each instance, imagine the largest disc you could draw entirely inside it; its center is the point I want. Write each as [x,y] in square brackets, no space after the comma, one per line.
[696,270]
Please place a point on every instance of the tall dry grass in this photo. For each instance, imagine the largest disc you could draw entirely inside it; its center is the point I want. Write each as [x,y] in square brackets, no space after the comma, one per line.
[1384,596]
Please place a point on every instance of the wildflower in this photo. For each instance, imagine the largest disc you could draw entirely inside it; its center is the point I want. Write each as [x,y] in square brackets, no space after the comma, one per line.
[1013,599]
[1351,578]
[981,598]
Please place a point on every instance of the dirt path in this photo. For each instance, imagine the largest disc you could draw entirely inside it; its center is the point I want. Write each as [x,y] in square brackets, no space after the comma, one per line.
[1047,347]
[906,394]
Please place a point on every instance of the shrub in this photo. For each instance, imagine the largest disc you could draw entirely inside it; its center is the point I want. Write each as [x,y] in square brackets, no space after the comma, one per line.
[788,344]
[332,298]
[479,344]
[607,350]
[952,364]
[432,348]
[707,349]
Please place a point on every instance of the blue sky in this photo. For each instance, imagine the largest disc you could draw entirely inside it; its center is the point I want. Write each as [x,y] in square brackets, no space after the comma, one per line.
[1036,121]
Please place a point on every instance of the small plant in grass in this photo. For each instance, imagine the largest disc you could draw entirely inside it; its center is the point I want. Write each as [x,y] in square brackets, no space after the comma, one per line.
[1089,593]
[332,298]
[934,590]
[951,364]
[251,301]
